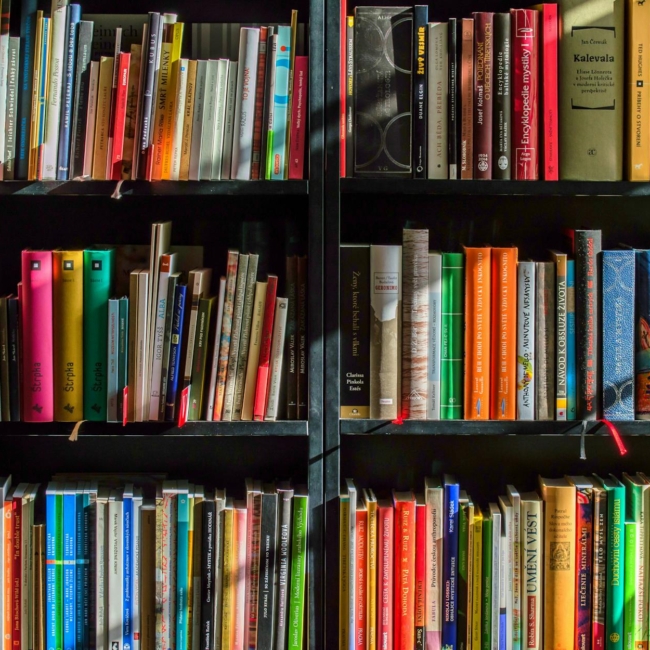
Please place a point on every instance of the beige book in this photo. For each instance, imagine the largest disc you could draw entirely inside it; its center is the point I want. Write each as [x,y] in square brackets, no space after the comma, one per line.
[257,321]
[100,148]
[131,110]
[188,114]
[178,120]
[148,573]
[91,117]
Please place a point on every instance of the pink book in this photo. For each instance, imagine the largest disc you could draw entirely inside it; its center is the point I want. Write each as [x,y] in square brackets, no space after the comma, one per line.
[36,307]
[120,116]
[385,524]
[548,22]
[259,407]
[240,583]
[299,111]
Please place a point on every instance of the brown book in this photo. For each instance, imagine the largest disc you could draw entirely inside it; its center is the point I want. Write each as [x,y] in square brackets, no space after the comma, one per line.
[148,579]
[38,587]
[102,120]
[544,371]
[467,100]
[483,60]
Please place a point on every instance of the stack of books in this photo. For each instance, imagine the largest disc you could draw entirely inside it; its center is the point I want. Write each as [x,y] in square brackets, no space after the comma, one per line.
[480,335]
[73,349]
[75,104]
[561,567]
[531,94]
[142,562]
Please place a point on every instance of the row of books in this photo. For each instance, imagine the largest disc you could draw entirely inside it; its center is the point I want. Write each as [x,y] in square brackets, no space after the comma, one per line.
[153,563]
[147,112]
[170,350]
[533,94]
[480,335]
[561,567]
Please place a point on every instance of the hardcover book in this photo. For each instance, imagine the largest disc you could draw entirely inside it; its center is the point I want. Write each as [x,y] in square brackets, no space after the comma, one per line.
[503,98]
[467,99]
[641,330]
[571,374]
[404,616]
[451,354]
[483,93]
[561,334]
[545,341]
[450,563]
[532,545]
[454,42]
[437,101]
[526,334]
[434,335]
[420,97]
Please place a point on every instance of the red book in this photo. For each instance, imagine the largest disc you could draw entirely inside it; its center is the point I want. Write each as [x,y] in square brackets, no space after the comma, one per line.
[525,95]
[420,571]
[16,568]
[259,408]
[385,524]
[361,549]
[120,115]
[299,108]
[343,49]
[467,101]
[584,538]
[404,588]
[259,104]
[7,561]
[483,68]
[548,95]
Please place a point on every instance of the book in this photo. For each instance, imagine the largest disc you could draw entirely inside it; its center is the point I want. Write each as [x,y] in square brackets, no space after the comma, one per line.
[91,118]
[591,124]
[264,354]
[452,314]
[517,582]
[526,297]
[133,107]
[454,46]
[420,571]
[202,343]
[434,336]
[39,90]
[404,616]
[277,136]
[176,100]
[285,498]
[229,120]
[599,566]
[571,373]
[180,303]
[11,122]
[642,355]
[298,568]
[507,632]
[532,545]
[275,369]
[102,120]
[544,370]
[434,498]
[632,597]
[467,99]
[299,108]
[483,93]
[260,99]
[184,142]
[560,260]
[291,351]
[450,562]
[4,361]
[27,57]
[267,573]
[13,325]
[492,583]
[437,124]
[172,283]
[122,68]
[303,348]
[504,90]
[348,70]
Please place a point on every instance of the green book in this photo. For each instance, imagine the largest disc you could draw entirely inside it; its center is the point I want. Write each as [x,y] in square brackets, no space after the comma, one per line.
[632,596]
[486,612]
[298,569]
[98,288]
[122,354]
[451,358]
[199,358]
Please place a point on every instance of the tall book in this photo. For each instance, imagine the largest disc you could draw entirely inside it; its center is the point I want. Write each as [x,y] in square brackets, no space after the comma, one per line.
[285,496]
[454,44]
[275,369]
[434,336]
[202,343]
[26,57]
[297,599]
[467,99]
[561,334]
[599,566]
[385,299]
[302,342]
[434,498]
[591,123]
[450,562]
[420,98]
[375,155]
[545,341]
[525,377]
[437,72]
[385,556]
[507,581]
[420,571]
[571,372]
[187,122]
[264,356]
[268,563]
[259,101]
[290,354]
[80,99]
[248,398]
[532,546]
[277,138]
[298,132]
[102,120]
[404,615]
[483,93]
[503,98]
[451,355]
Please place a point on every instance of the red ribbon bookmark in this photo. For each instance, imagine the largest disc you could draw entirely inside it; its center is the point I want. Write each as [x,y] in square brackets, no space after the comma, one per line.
[613,431]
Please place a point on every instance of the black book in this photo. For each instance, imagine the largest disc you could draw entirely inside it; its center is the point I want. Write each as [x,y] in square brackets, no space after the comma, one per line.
[26,71]
[301,340]
[290,361]
[383,61]
[453,128]
[4,361]
[268,99]
[13,318]
[80,100]
[421,18]
[502,116]
[285,494]
[267,585]
[349,98]
[207,575]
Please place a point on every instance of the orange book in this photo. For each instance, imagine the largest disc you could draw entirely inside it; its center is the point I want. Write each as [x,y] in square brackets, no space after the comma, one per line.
[7,585]
[404,571]
[361,577]
[477,333]
[503,404]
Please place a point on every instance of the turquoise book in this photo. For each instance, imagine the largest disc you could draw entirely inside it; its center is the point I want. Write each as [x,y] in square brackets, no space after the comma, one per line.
[571,372]
[99,264]
[298,569]
[182,567]
[54,565]
[69,566]
[277,139]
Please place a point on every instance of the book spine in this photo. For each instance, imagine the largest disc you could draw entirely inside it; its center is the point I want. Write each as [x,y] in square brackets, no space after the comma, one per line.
[208,569]
[229,578]
[299,114]
[254,509]
[349,121]
[385,585]
[525,45]
[194,171]
[453,323]
[291,352]
[199,360]
[52,612]
[111,366]
[185,144]
[100,604]
[4,65]
[614,615]
[172,283]
[560,336]
[123,65]
[7,583]
[505,611]
[549,92]
[415,319]
[486,626]
[18,524]
[642,357]
[133,108]
[450,566]
[268,98]
[27,40]
[434,523]
[259,103]
[497,634]
[136,582]
[434,336]
[342,87]
[477,582]
[115,573]
[599,569]
[281,93]
[175,352]
[545,341]
[571,377]
[463,639]
[127,572]
[453,105]
[360,580]
[284,568]
[419,147]
[102,120]
[371,607]
[229,120]
[175,100]
[267,126]
[532,545]
[182,570]
[69,568]
[263,369]
[587,249]
[178,120]
[277,349]
[503,92]
[13,311]
[240,582]
[404,628]
[266,600]
[618,283]
[9,160]
[632,538]
[467,99]
[483,97]
[420,575]
[80,100]
[437,79]
[91,115]
[214,119]
[526,289]
[302,343]
[584,514]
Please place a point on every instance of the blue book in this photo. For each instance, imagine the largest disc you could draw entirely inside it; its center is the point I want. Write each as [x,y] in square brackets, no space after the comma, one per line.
[27,39]
[182,567]
[69,566]
[278,135]
[90,497]
[81,500]
[175,351]
[450,563]
[127,614]
[68,76]
[52,564]
[642,343]
[571,371]
[112,382]
[618,274]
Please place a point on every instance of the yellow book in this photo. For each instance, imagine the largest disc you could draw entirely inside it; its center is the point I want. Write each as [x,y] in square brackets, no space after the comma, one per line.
[191,537]
[188,114]
[67,294]
[33,133]
[104,93]
[229,577]
[637,120]
[172,95]
[371,582]
[344,570]
[476,555]
[559,563]
[162,106]
[468,512]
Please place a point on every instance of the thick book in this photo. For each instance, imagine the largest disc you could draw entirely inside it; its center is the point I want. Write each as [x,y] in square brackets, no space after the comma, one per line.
[453,322]
[277,137]
[80,100]
[587,248]
[618,282]
[205,157]
[415,323]
[437,80]
[560,260]
[526,334]
[434,336]
[532,545]
[404,615]
[545,341]
[454,45]
[383,129]
[477,333]
[503,98]
[420,91]
[467,99]
[346,640]
[208,570]
[483,93]
[592,103]
[450,563]
[385,330]
[434,498]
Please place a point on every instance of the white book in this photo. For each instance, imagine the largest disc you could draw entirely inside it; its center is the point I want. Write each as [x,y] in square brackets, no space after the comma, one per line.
[167,267]
[11,117]
[277,350]
[435,335]
[242,145]
[115,531]
[197,121]
[526,291]
[136,568]
[219,118]
[437,94]
[435,499]
[515,500]
[495,515]
[507,566]
[89,145]
[215,352]
[352,559]
[179,115]
[207,124]
[4,78]
[229,120]
[532,536]
[101,581]
[54,95]
[142,339]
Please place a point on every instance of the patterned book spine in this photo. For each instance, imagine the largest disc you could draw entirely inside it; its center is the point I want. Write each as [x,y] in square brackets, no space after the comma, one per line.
[415,319]
[526,341]
[467,100]
[584,524]
[419,151]
[277,137]
[560,260]
[571,379]
[483,50]
[599,569]
[545,341]
[259,103]
[453,322]
[549,92]
[502,145]
[434,336]
[618,334]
